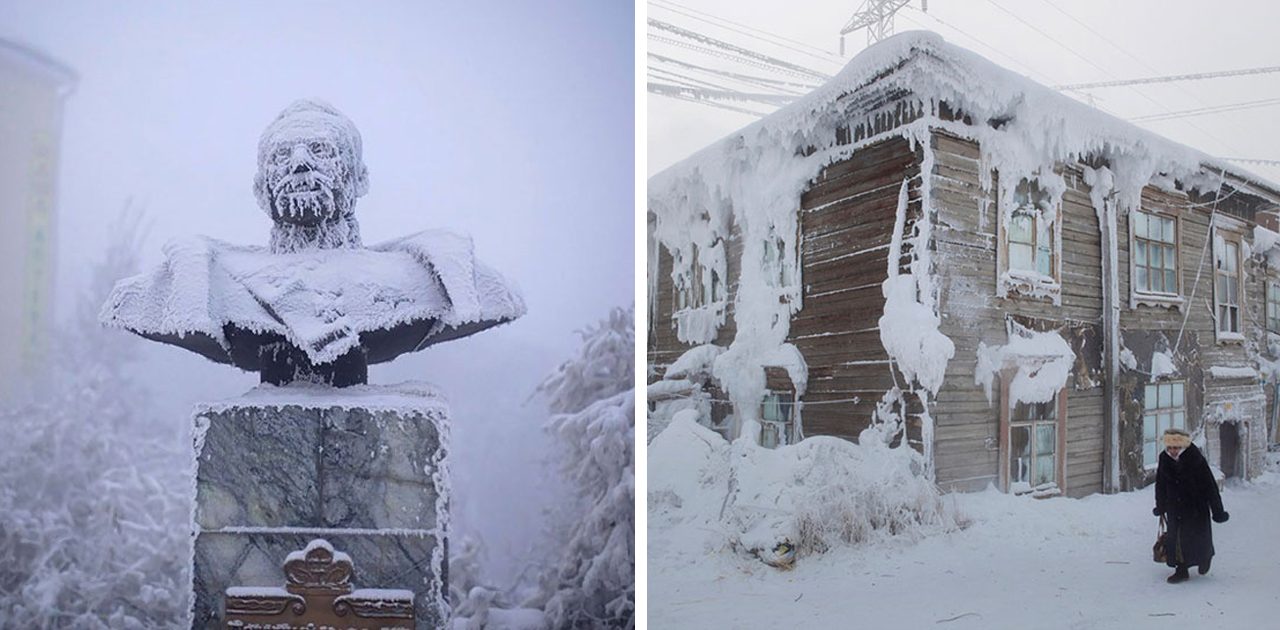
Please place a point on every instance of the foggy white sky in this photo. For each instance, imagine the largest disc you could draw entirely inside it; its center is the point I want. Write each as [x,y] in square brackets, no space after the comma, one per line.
[1118,40]
[511,121]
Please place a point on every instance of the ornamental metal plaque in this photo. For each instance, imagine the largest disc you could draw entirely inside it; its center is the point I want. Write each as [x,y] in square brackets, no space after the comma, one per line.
[317,595]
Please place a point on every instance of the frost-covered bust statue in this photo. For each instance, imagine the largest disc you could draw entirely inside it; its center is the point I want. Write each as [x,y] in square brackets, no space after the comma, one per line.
[316,305]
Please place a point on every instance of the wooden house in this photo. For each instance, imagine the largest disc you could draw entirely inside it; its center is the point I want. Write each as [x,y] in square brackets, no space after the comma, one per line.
[1030,289]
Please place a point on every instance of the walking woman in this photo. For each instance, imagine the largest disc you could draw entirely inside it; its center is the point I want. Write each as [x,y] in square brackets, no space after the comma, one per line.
[1187,495]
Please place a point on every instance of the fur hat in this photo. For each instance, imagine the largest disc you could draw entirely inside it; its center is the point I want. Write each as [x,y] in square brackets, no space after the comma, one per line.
[1176,437]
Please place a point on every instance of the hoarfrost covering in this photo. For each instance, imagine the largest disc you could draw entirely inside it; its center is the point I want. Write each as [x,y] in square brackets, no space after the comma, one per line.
[592,396]
[407,399]
[320,301]
[1162,365]
[758,174]
[695,360]
[1265,244]
[1222,372]
[1042,361]
[813,495]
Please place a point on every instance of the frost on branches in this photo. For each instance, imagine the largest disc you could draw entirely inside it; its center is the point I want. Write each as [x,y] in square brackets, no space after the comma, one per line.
[93,512]
[593,398]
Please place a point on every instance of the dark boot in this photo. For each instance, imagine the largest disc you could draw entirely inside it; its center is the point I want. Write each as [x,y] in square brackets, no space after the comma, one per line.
[1204,567]
[1179,575]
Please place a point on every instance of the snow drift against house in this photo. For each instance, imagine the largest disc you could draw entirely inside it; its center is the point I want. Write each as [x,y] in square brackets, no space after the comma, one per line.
[325,302]
[808,497]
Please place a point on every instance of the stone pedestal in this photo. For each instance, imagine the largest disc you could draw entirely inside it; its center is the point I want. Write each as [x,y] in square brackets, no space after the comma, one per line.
[362,467]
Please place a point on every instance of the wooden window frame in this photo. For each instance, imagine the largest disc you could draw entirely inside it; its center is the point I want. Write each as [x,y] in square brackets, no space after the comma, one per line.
[1005,438]
[1028,282]
[1148,297]
[1235,239]
[1156,411]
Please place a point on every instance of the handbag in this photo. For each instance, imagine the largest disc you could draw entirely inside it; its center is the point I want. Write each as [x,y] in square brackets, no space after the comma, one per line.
[1157,550]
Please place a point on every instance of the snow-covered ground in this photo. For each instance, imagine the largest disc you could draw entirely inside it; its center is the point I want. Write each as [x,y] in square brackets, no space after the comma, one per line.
[1020,563]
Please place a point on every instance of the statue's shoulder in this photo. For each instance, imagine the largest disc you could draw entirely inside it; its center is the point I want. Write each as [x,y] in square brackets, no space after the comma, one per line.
[475,291]
[437,243]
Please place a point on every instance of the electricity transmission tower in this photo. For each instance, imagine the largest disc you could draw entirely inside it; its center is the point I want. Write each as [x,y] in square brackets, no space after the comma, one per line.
[877,17]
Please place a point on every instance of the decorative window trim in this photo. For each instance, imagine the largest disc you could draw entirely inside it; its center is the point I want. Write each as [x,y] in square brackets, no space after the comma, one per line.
[1223,232]
[1005,439]
[1026,282]
[1156,411]
[1151,298]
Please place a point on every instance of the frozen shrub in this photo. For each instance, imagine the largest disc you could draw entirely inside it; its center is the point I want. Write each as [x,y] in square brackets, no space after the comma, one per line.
[94,516]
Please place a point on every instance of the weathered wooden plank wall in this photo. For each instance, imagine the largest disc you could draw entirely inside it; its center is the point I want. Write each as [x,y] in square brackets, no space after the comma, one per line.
[846,222]
[967,442]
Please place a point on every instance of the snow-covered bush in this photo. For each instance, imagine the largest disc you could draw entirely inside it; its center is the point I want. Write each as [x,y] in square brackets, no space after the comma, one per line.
[792,500]
[593,398]
[93,508]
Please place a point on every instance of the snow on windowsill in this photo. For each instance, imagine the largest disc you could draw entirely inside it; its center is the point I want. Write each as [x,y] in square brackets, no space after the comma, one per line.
[1220,372]
[1230,337]
[1030,284]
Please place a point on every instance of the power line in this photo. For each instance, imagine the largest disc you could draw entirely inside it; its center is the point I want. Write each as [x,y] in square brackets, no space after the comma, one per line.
[1047,36]
[716,94]
[779,84]
[679,43]
[743,29]
[1215,109]
[1030,71]
[750,54]
[1170,78]
[1142,63]
[660,90]
[1086,60]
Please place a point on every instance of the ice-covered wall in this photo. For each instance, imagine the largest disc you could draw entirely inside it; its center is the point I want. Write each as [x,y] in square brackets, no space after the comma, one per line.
[1025,132]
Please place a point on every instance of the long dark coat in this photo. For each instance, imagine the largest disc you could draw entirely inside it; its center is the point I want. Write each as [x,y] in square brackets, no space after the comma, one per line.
[1187,493]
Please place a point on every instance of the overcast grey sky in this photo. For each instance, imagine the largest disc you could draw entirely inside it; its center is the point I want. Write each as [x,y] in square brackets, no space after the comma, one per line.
[1077,41]
[510,121]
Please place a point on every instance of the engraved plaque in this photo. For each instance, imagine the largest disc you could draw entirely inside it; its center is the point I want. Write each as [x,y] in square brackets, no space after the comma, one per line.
[318,594]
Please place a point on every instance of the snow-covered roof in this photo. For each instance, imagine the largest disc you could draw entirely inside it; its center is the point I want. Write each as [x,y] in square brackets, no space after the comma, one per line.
[1048,123]
[223,301]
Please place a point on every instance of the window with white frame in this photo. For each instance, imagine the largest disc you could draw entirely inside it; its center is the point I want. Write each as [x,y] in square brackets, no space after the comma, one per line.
[1163,407]
[1227,284]
[1273,307]
[1029,232]
[1033,445]
[775,419]
[1155,253]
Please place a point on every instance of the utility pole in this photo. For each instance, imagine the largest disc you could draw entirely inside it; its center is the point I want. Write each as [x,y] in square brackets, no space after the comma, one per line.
[877,17]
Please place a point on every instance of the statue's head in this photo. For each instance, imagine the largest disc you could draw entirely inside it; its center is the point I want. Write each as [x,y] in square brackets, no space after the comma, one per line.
[310,169]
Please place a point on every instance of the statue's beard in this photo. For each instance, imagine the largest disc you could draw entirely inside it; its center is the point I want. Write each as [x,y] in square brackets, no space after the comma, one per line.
[306,199]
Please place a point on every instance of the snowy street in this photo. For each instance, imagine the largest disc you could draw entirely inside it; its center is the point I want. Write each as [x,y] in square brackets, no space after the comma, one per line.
[1022,563]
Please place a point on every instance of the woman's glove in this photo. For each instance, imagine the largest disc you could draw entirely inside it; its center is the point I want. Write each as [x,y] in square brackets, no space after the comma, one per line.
[1221,517]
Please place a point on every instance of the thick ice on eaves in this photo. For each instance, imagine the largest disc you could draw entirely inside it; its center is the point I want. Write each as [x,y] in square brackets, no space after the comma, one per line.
[319,300]
[1050,126]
